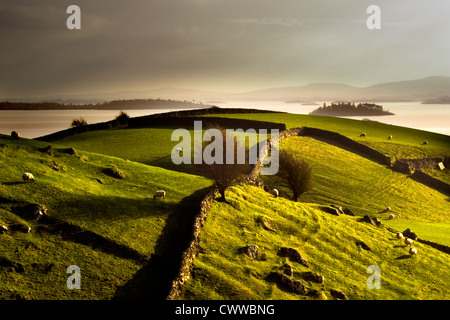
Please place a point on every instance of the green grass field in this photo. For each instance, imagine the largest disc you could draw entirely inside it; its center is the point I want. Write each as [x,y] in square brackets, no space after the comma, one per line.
[119,212]
[123,214]
[406,142]
[325,241]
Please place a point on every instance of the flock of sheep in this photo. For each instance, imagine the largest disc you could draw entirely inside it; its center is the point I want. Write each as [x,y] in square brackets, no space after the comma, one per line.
[363,135]
[408,241]
[28,177]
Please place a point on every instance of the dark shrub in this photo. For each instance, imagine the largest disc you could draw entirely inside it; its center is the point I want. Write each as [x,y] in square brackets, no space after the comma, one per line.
[122,118]
[296,172]
[78,123]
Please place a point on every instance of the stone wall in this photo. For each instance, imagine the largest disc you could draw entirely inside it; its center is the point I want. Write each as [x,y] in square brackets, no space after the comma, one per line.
[182,119]
[421,164]
[191,252]
[431,182]
[348,143]
[435,245]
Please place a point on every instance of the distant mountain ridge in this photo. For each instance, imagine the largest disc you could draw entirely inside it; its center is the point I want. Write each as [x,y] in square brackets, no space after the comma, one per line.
[410,90]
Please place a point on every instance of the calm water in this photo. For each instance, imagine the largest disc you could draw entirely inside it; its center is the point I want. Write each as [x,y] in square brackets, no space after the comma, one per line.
[32,124]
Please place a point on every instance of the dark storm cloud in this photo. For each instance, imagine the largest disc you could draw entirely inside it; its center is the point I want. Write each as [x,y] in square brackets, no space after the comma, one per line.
[214,44]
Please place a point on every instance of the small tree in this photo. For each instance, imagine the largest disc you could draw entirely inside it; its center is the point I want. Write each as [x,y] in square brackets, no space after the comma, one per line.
[296,172]
[78,123]
[226,173]
[122,118]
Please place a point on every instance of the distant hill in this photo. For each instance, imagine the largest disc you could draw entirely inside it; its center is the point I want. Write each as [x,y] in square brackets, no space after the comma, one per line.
[411,90]
[414,90]
[346,109]
[440,100]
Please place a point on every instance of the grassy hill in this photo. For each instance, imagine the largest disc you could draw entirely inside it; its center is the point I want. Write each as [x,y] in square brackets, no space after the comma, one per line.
[122,213]
[109,227]
[406,142]
[330,245]
[340,176]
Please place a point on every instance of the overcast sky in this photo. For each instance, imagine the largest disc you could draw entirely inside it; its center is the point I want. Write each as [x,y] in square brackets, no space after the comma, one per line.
[219,45]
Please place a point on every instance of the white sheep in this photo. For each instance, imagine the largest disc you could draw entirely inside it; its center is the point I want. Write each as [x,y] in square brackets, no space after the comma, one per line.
[399,235]
[412,251]
[3,229]
[363,134]
[274,192]
[28,177]
[390,137]
[160,194]
[391,216]
[408,241]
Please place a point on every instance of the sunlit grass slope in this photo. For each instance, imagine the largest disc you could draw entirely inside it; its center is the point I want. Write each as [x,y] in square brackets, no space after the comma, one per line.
[406,142]
[120,211]
[327,242]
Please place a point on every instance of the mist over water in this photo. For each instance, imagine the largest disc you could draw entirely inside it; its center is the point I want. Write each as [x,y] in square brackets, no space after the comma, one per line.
[36,123]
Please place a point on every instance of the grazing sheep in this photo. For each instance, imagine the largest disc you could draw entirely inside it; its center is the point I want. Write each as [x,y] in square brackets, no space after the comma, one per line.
[412,251]
[362,134]
[425,143]
[275,193]
[3,229]
[390,137]
[28,177]
[391,216]
[399,235]
[408,241]
[160,194]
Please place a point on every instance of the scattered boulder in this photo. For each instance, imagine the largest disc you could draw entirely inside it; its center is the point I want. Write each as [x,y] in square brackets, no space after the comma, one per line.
[409,234]
[20,227]
[100,181]
[286,283]
[363,245]
[337,294]
[252,251]
[70,151]
[48,150]
[347,211]
[55,166]
[293,255]
[341,210]
[314,277]
[39,212]
[268,224]
[288,270]
[331,210]
[373,221]
[115,173]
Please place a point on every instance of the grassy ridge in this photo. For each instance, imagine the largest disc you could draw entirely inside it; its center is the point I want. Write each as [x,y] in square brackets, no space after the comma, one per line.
[406,142]
[119,212]
[345,178]
[327,242]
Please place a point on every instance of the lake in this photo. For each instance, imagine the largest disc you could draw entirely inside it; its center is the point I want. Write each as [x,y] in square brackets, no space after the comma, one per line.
[36,123]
